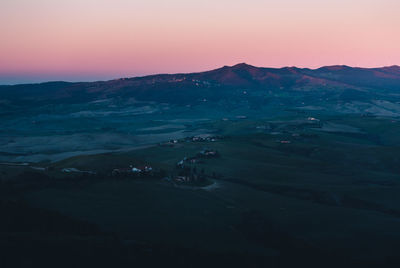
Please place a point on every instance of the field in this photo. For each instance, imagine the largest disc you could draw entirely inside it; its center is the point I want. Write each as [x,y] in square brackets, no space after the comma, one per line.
[308,186]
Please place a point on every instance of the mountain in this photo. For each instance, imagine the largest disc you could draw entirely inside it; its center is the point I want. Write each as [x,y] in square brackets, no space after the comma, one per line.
[215,85]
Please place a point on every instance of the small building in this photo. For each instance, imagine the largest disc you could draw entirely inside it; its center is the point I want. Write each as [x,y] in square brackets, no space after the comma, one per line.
[208,153]
[313,119]
[136,170]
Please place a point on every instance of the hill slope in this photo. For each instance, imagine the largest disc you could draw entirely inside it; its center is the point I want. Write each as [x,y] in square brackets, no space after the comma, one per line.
[216,84]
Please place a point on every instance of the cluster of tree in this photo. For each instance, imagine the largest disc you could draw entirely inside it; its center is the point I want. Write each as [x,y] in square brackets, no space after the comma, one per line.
[153,174]
[192,174]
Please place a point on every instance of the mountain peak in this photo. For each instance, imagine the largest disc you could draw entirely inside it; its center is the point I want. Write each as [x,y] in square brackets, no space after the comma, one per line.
[334,67]
[393,67]
[242,65]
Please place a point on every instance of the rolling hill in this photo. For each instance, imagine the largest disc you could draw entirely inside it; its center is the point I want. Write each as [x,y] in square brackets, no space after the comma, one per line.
[336,81]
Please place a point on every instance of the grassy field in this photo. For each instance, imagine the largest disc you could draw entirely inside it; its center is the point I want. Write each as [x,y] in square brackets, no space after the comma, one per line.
[282,190]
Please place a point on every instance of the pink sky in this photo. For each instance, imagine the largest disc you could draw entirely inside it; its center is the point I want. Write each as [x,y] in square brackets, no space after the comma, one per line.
[101,39]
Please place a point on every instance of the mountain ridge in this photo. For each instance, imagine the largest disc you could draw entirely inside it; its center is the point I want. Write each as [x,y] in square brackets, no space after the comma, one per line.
[216,84]
[242,65]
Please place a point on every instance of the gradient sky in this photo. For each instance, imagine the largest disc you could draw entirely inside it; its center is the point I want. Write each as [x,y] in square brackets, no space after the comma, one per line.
[74,40]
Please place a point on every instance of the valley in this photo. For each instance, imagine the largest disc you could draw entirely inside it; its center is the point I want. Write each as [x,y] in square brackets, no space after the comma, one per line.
[230,166]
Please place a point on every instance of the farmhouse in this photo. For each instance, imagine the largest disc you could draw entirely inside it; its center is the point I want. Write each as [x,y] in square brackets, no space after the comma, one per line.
[132,170]
[313,119]
[208,153]
[142,169]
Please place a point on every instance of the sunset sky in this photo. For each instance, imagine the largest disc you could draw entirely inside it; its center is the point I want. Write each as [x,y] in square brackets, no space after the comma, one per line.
[87,40]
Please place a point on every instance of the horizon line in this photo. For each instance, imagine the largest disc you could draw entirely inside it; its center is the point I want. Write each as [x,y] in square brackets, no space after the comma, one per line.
[196,72]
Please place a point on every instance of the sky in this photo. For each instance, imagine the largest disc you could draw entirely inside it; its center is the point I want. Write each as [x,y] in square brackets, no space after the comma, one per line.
[85,40]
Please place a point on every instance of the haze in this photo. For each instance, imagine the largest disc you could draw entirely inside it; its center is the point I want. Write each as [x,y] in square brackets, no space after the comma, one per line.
[89,40]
